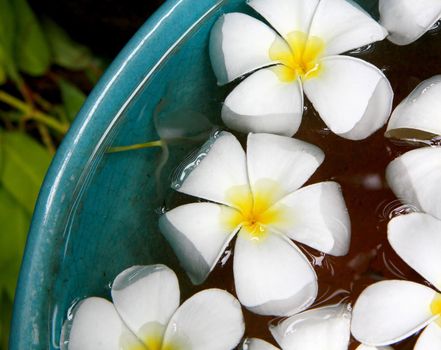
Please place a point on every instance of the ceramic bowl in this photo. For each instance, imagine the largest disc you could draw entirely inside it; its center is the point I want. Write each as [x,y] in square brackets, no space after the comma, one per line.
[97,211]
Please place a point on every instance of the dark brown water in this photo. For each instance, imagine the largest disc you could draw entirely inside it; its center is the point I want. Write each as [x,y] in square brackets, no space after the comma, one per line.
[359,167]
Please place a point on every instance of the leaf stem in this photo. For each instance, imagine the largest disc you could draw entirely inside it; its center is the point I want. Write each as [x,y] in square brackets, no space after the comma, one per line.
[44,104]
[32,113]
[46,138]
[158,143]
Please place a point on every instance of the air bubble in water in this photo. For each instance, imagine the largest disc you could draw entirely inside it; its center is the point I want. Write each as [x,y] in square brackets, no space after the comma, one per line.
[67,325]
[389,210]
[436,141]
[226,256]
[364,49]
[193,160]
[435,27]
[402,210]
[161,210]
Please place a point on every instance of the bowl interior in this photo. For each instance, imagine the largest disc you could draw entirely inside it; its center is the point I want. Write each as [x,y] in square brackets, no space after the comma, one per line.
[111,221]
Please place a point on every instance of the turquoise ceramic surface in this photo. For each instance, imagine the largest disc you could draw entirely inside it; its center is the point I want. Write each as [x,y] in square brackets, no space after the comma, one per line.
[97,212]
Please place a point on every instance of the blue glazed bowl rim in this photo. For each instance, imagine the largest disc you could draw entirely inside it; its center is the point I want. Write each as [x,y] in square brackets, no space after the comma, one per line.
[163,32]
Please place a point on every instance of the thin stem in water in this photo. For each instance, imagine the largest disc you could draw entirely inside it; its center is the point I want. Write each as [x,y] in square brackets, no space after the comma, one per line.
[158,143]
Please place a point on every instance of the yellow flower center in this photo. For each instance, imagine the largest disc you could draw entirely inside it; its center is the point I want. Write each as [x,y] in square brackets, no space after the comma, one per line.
[255,210]
[435,307]
[151,335]
[153,343]
[300,58]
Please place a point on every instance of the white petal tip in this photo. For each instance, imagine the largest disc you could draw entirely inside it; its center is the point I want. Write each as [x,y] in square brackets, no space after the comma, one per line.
[417,117]
[190,259]
[379,318]
[290,306]
[210,319]
[264,104]
[239,44]
[351,109]
[272,276]
[315,329]
[408,20]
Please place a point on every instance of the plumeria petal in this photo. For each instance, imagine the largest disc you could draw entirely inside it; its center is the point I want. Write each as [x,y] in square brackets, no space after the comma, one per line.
[430,339]
[389,311]
[419,110]
[198,233]
[416,238]
[415,176]
[316,215]
[287,16]
[240,44]
[367,347]
[279,165]
[353,97]
[97,326]
[344,26]
[272,276]
[220,166]
[146,297]
[209,320]
[257,344]
[264,103]
[326,328]
[407,20]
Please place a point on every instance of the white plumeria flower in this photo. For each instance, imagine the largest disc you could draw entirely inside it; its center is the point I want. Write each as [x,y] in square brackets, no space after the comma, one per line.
[407,20]
[390,311]
[418,114]
[145,315]
[301,54]
[326,328]
[260,200]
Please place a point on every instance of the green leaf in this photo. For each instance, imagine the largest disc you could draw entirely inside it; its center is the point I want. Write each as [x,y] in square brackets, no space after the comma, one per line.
[7,40]
[73,98]
[3,76]
[14,221]
[32,50]
[23,164]
[7,27]
[65,52]
[12,115]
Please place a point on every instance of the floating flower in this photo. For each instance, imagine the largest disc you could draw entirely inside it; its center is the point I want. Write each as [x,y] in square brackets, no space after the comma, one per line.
[260,201]
[390,311]
[417,116]
[301,54]
[407,20]
[145,315]
[326,328]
